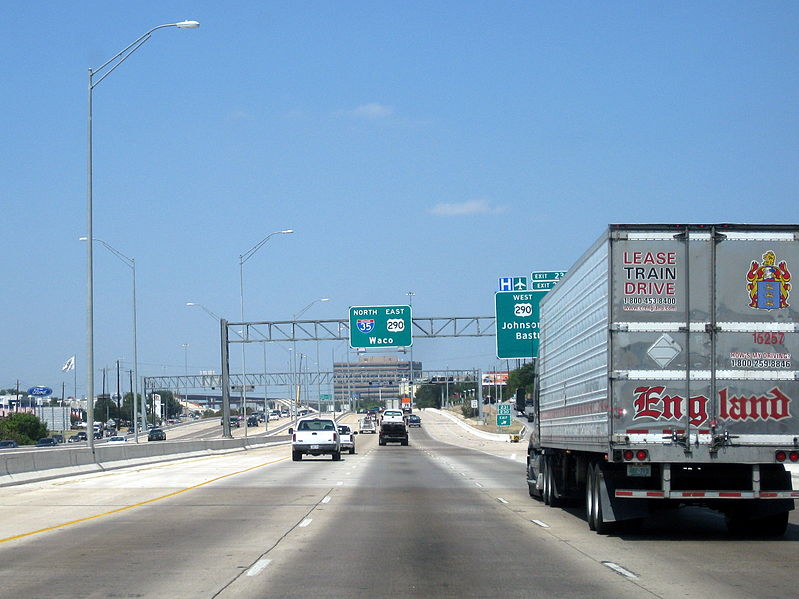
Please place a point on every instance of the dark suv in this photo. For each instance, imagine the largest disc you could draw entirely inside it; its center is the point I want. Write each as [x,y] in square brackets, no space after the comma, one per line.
[156,434]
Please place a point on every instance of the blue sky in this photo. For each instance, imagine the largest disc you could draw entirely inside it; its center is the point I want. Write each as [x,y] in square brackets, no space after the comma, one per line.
[424,146]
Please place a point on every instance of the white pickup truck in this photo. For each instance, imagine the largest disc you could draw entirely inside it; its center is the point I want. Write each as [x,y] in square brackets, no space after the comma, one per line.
[315,436]
[393,416]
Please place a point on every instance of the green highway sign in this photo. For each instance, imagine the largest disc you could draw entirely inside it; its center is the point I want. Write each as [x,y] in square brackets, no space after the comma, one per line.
[547,275]
[380,326]
[517,318]
[503,419]
[503,409]
[542,285]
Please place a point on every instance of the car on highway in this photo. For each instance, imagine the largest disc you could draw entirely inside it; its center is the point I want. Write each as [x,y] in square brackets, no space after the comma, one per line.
[315,436]
[74,439]
[274,415]
[156,434]
[234,422]
[252,420]
[47,442]
[81,435]
[413,420]
[347,438]
[8,444]
[117,439]
[59,438]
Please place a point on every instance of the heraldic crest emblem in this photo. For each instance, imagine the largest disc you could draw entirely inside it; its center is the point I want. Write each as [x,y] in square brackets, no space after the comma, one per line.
[768,283]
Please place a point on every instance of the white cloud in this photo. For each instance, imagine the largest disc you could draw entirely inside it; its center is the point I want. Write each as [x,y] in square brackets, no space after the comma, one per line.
[466,208]
[372,111]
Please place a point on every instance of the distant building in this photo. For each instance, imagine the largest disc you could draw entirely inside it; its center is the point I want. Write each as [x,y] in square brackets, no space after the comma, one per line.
[372,377]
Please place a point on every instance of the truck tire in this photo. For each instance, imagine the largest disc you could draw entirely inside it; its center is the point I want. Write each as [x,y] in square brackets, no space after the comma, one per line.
[532,488]
[352,450]
[337,456]
[404,442]
[546,492]
[770,526]
[381,442]
[550,490]
[296,456]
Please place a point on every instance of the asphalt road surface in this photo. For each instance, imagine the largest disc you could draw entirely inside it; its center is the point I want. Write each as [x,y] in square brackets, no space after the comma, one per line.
[434,519]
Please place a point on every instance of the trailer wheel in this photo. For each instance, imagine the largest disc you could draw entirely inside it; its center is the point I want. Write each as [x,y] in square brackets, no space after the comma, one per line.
[545,493]
[770,526]
[532,487]
[589,498]
[550,493]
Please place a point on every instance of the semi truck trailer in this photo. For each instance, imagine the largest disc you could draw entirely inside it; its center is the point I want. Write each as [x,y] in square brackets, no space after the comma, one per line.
[665,376]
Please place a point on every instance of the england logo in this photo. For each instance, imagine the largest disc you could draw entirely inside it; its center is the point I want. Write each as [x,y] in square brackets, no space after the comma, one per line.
[366,325]
[768,283]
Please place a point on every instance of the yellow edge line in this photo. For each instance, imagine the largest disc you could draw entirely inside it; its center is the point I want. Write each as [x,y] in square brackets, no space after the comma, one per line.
[141,503]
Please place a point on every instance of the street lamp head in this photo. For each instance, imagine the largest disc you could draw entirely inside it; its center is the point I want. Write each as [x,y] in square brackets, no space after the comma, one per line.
[82,238]
[325,299]
[188,24]
[286,231]
[190,304]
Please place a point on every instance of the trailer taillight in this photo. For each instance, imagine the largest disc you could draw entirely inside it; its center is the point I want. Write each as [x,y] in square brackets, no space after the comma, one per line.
[794,456]
[641,455]
[628,454]
[780,455]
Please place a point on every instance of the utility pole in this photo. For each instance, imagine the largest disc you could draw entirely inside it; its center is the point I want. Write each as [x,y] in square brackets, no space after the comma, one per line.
[119,396]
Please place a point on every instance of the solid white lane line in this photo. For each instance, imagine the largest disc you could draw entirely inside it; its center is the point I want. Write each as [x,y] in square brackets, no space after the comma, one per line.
[339,483]
[502,500]
[617,568]
[258,567]
[305,522]
[539,523]
[513,456]
[478,484]
[326,499]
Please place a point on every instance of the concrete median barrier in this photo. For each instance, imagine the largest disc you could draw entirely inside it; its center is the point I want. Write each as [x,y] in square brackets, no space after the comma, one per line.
[21,466]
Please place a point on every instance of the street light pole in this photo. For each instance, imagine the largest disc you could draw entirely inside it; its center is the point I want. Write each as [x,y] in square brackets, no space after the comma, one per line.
[103,71]
[185,373]
[294,335]
[130,263]
[242,259]
[410,295]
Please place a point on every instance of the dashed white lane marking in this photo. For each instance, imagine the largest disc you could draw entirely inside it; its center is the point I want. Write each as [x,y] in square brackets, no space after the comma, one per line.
[539,523]
[326,499]
[339,483]
[501,500]
[513,456]
[305,522]
[617,568]
[258,567]
[478,484]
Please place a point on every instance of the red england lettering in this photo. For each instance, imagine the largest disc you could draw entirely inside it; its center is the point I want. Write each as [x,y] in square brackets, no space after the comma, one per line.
[654,403]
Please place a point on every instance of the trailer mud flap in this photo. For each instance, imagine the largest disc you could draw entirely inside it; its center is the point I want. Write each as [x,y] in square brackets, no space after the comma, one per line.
[616,509]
